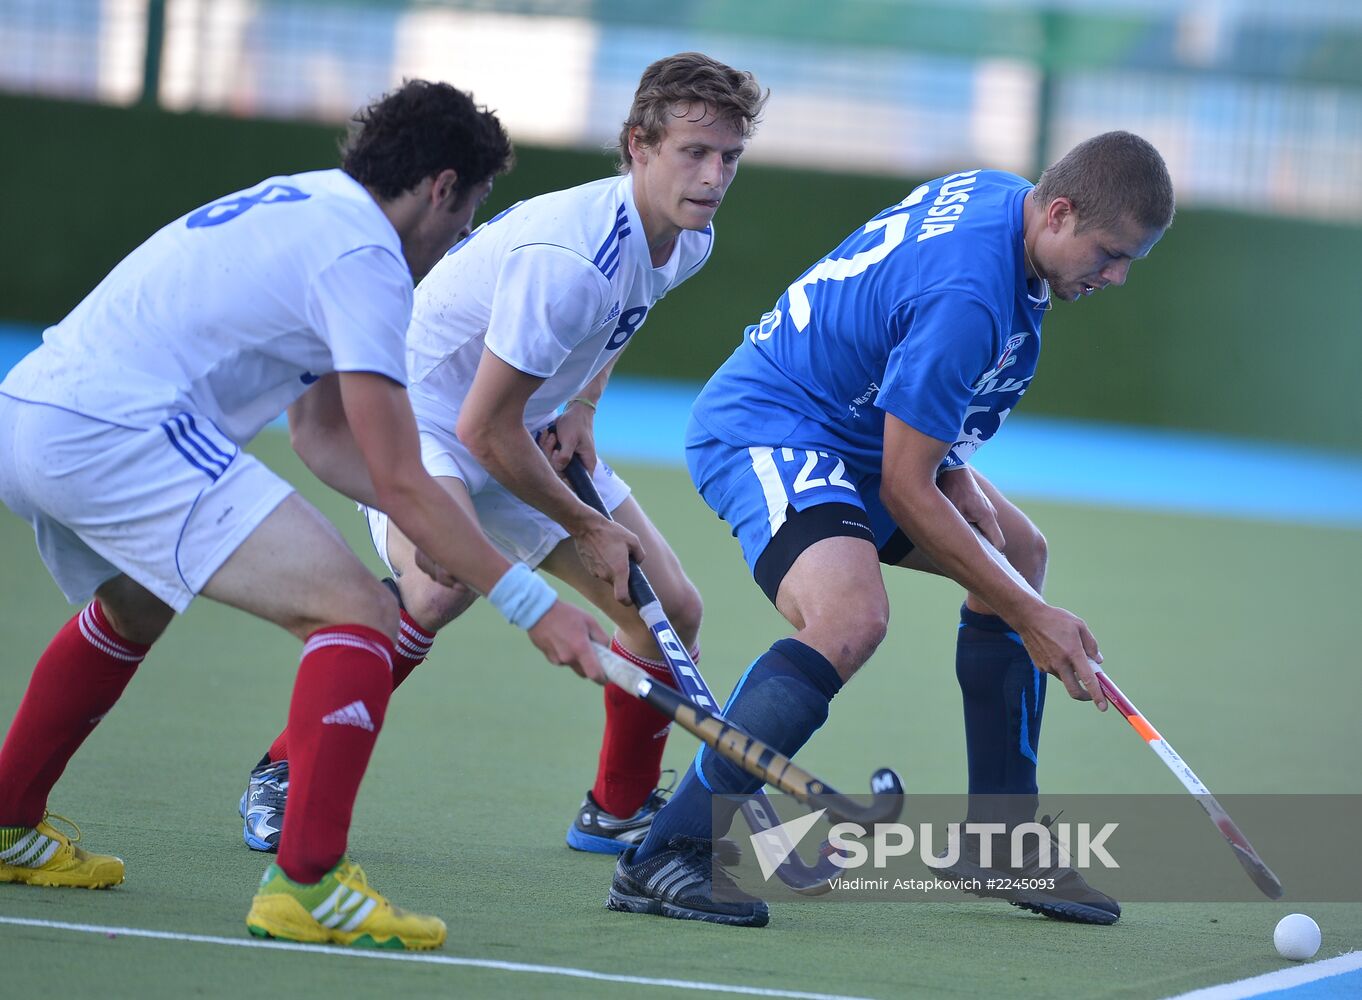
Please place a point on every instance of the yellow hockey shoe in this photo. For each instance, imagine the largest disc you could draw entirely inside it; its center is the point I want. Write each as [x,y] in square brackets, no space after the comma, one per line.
[43,855]
[340,909]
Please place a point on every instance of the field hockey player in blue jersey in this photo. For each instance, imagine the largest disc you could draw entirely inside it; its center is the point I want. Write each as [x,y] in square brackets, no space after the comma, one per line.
[837,438]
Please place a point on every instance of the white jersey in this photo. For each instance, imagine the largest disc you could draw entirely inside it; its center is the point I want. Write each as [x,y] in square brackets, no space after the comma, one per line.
[233,310]
[554,286]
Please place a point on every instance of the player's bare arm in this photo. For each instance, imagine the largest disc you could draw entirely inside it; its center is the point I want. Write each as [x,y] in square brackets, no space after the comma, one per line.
[384,430]
[574,432]
[321,436]
[491,426]
[962,490]
[1059,642]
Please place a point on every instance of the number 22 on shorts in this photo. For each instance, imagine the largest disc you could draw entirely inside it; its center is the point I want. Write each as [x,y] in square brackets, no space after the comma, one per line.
[803,471]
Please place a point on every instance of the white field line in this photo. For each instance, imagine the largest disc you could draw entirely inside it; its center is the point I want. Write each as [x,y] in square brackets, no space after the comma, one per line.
[1282,979]
[426,958]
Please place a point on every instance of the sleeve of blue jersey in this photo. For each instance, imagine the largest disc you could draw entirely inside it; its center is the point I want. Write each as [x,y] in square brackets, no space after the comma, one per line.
[945,341]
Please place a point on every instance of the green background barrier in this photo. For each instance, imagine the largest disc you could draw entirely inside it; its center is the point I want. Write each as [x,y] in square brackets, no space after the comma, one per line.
[1236,324]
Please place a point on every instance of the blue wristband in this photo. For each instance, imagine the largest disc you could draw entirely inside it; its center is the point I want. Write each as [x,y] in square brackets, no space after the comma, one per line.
[522,596]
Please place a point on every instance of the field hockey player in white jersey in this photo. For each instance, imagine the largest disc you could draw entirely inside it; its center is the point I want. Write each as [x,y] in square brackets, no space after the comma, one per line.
[121,443]
[513,338]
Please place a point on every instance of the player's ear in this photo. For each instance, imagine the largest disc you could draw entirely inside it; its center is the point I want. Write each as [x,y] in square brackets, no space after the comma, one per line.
[1056,212]
[444,187]
[638,149]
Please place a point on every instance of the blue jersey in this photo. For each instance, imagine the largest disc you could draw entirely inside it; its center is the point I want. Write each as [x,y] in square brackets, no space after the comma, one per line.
[925,312]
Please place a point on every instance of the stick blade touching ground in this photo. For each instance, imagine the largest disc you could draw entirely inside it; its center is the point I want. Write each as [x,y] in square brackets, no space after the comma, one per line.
[1263,876]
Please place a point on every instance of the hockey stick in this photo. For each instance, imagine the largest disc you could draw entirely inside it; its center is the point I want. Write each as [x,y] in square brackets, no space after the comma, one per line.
[1262,876]
[757,810]
[752,755]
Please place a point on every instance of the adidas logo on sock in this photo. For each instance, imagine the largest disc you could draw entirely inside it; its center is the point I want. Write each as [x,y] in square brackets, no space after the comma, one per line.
[353,714]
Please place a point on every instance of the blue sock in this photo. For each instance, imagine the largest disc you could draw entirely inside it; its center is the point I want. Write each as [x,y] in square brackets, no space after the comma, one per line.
[781,700]
[1004,696]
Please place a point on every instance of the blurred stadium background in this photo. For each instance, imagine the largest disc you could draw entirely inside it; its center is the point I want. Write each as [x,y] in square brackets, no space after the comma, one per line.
[1256,104]
[122,114]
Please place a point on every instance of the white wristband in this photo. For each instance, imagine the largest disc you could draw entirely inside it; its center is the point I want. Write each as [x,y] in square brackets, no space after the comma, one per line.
[522,596]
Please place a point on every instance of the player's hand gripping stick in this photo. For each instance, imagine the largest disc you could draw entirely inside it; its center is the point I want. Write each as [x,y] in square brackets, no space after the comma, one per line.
[1262,876]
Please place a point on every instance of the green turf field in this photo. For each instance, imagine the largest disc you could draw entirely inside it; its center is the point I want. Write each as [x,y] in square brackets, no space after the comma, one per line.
[1236,638]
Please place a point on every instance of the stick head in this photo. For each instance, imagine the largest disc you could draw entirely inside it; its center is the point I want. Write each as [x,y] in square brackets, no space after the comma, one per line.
[1263,876]
[886,804]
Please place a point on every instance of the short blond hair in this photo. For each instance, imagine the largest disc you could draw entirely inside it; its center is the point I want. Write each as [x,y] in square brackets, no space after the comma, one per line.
[701,86]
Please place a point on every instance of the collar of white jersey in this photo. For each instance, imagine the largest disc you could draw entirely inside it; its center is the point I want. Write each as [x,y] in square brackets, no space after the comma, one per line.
[348,187]
[635,225]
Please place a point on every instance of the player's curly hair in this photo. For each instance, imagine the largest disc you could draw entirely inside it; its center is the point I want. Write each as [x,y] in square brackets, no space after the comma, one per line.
[1110,177]
[417,131]
[701,86]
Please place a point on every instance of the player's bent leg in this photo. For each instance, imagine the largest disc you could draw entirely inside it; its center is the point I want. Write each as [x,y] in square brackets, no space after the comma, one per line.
[75,684]
[817,556]
[619,808]
[1004,702]
[118,505]
[425,607]
[430,605]
[295,570]
[813,597]
[133,612]
[1002,691]
[785,695]
[680,599]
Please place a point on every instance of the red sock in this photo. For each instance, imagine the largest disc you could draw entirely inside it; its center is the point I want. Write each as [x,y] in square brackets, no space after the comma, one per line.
[413,646]
[344,681]
[77,680]
[631,748]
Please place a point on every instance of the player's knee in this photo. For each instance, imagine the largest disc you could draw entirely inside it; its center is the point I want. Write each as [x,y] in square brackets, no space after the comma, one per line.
[363,600]
[432,605]
[382,610]
[868,631]
[1028,551]
[133,612]
[858,633]
[684,611]
[136,624]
